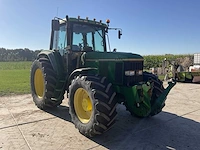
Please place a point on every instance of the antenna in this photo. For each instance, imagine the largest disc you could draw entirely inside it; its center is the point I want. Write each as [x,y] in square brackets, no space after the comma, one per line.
[57,11]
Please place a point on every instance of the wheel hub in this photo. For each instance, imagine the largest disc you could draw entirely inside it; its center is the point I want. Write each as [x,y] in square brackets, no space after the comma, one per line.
[39,83]
[86,104]
[83,105]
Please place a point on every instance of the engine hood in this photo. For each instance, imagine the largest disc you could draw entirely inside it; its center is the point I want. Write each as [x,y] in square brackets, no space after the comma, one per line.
[112,56]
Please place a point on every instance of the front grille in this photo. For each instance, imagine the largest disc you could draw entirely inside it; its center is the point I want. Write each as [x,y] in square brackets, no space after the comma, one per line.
[134,65]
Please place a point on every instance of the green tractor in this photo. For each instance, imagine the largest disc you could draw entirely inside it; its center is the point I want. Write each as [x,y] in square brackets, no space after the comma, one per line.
[95,80]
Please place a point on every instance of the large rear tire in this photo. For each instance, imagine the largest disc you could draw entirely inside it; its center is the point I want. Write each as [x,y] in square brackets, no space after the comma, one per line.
[92,105]
[44,85]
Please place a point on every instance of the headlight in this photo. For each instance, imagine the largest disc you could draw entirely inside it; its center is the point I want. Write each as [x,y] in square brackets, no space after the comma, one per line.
[130,73]
[139,72]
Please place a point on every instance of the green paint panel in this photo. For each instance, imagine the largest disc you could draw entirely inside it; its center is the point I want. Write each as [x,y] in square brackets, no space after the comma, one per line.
[113,56]
[110,64]
[137,99]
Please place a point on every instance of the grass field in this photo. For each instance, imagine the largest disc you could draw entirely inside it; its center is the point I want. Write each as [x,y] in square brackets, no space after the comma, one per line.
[14,78]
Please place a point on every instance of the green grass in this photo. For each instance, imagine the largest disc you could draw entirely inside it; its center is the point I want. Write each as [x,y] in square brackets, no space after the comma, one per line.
[14,78]
[15,65]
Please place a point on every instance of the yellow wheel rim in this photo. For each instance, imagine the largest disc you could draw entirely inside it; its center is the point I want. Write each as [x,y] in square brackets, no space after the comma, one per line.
[82,105]
[39,83]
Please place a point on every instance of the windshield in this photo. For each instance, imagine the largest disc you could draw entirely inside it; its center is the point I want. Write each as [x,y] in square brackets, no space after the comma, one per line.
[87,37]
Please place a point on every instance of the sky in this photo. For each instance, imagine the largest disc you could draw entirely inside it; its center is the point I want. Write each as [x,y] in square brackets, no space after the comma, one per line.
[149,27]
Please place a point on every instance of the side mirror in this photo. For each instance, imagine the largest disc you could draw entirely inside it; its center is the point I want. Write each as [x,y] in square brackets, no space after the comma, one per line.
[119,34]
[55,25]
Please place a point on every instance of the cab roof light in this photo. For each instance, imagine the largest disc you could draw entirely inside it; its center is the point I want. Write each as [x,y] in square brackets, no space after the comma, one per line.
[78,17]
[108,21]
[100,21]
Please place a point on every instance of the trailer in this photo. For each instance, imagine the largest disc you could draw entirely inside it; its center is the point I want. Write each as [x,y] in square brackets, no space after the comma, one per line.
[193,75]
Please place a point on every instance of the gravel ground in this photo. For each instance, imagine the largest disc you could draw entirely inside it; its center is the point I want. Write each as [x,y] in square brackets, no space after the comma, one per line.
[24,126]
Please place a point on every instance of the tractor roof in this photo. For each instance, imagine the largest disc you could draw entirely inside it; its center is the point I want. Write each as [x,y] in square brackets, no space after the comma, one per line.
[83,20]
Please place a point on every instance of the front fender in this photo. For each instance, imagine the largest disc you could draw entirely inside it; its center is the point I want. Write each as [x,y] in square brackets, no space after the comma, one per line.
[55,58]
[80,71]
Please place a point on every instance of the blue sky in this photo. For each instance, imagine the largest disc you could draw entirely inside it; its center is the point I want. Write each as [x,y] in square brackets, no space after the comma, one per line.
[149,26]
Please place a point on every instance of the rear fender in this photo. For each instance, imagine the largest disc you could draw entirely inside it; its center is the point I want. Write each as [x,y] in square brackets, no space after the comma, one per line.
[55,58]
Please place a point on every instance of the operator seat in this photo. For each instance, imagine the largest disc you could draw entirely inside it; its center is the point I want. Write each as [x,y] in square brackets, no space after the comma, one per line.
[87,48]
[75,48]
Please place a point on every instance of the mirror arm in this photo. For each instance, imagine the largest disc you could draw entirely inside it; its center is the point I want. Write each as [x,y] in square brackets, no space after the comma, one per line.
[119,31]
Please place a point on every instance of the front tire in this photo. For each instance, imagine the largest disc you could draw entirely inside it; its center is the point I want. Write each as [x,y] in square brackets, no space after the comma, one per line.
[43,85]
[92,105]
[157,90]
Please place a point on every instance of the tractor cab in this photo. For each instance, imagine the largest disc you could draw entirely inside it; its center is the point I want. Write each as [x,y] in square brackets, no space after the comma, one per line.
[74,36]
[78,35]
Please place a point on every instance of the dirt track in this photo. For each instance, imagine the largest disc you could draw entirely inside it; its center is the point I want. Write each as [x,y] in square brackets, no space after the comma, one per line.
[24,126]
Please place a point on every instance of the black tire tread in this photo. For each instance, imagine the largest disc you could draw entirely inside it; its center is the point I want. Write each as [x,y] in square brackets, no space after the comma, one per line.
[158,87]
[103,102]
[51,98]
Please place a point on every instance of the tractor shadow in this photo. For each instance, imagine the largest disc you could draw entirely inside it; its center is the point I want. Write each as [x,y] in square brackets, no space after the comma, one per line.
[163,131]
[61,112]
